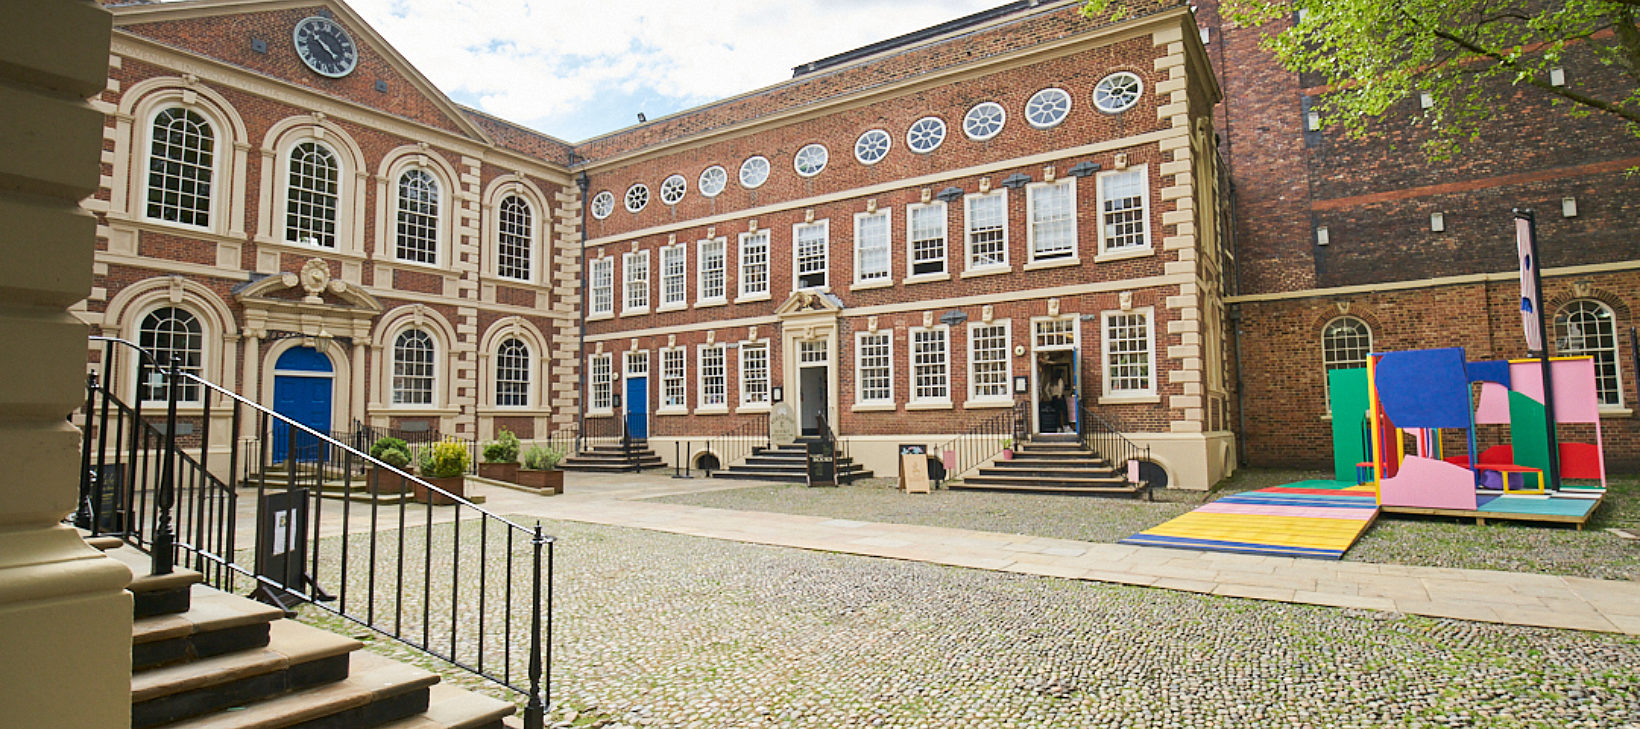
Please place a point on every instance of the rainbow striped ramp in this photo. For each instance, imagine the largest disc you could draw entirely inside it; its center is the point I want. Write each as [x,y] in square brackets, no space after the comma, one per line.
[1314,519]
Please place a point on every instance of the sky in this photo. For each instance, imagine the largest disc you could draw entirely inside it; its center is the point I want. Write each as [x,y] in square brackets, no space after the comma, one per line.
[575,70]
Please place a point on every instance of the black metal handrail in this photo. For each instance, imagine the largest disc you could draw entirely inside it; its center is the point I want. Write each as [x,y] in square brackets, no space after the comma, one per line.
[740,442]
[1105,438]
[604,431]
[983,441]
[839,449]
[372,564]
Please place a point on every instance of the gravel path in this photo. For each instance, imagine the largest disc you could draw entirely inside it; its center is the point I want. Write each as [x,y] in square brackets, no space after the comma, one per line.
[664,630]
[1429,542]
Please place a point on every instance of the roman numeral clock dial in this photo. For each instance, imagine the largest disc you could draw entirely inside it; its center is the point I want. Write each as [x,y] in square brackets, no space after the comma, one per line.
[325,47]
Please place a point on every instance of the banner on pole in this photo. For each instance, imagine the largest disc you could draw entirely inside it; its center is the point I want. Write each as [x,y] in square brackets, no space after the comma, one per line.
[1531,308]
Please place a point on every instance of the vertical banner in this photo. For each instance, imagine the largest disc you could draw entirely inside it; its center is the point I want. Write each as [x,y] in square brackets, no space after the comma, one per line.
[1531,308]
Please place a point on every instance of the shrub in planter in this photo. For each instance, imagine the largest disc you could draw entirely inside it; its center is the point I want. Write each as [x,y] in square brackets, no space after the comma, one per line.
[383,444]
[501,458]
[444,465]
[386,481]
[541,469]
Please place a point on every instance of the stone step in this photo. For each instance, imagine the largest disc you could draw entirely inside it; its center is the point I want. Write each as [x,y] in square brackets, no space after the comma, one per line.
[375,692]
[216,623]
[154,594]
[295,657]
[1051,473]
[1041,463]
[1055,481]
[1124,490]
[451,708]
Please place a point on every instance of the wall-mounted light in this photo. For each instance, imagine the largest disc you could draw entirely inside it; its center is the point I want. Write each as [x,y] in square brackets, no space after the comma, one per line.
[1207,35]
[1312,121]
[1321,236]
[1437,222]
[1568,207]
[1426,99]
[1557,76]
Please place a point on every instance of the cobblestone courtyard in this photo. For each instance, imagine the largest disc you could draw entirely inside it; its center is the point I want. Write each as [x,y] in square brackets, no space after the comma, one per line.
[664,630]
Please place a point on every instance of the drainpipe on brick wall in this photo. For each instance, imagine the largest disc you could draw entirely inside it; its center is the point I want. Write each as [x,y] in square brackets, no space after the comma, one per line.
[1241,406]
[1634,354]
[585,183]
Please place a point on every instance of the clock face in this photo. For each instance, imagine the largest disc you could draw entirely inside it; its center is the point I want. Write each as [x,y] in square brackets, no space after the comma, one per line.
[325,47]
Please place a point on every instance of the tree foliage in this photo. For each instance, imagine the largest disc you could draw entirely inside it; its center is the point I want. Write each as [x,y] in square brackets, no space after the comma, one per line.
[1465,54]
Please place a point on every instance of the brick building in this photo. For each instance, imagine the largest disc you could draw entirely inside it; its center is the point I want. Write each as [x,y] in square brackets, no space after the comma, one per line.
[1017,207]
[1347,246]
[337,238]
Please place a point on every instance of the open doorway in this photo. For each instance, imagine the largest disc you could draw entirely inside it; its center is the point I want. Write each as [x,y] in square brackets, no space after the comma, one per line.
[1056,391]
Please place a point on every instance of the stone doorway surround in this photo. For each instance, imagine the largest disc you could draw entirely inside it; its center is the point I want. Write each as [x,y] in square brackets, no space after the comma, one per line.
[308,309]
[808,316]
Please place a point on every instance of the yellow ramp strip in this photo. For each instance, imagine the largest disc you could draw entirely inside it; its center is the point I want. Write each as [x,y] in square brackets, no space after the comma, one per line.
[1285,531]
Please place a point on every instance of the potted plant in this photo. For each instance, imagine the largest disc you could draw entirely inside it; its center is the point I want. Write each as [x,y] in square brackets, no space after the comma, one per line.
[393,452]
[1007,449]
[501,458]
[443,465]
[541,470]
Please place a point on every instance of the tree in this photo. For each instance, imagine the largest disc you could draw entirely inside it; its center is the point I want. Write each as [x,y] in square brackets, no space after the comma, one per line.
[1463,54]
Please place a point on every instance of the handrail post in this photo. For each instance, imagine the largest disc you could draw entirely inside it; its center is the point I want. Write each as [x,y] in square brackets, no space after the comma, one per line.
[82,516]
[164,499]
[535,711]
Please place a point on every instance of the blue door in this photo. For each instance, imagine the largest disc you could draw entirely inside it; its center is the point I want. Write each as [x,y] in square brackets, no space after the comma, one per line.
[637,406]
[302,392]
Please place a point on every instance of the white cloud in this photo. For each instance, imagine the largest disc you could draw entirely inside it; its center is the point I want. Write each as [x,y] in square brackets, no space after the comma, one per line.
[550,64]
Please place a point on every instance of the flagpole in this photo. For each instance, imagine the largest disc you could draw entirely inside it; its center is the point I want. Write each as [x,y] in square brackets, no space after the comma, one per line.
[1534,263]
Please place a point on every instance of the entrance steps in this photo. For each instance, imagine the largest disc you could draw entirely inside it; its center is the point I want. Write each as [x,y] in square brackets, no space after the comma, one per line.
[614,458]
[1053,463]
[787,463]
[203,658]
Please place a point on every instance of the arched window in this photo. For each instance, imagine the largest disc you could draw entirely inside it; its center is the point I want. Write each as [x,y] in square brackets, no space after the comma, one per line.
[515,239]
[418,217]
[310,200]
[171,335]
[180,160]
[413,368]
[1586,327]
[1345,343]
[512,374]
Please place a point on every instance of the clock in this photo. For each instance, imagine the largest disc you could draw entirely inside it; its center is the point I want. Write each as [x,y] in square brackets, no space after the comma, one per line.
[325,47]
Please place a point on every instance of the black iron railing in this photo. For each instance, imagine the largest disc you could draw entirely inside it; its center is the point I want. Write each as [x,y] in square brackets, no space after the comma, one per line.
[839,449]
[1105,438]
[983,441]
[740,442]
[404,556]
[604,431]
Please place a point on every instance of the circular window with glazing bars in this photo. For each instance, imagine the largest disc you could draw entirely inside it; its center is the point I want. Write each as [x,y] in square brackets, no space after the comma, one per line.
[673,189]
[603,204]
[1047,108]
[926,134]
[637,197]
[872,146]
[811,160]
[712,181]
[984,121]
[1118,92]
[754,171]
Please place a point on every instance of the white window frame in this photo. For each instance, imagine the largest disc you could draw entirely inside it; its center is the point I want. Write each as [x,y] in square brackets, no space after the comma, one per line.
[702,406]
[628,308]
[1006,398]
[682,380]
[440,215]
[668,303]
[608,406]
[530,360]
[917,402]
[969,268]
[722,296]
[594,311]
[434,379]
[528,236]
[191,392]
[886,278]
[212,170]
[1105,252]
[763,405]
[1616,351]
[746,293]
[825,226]
[1106,393]
[282,212]
[943,214]
[1032,193]
[860,402]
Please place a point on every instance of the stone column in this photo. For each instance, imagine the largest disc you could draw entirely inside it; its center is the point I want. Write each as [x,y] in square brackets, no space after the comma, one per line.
[65,619]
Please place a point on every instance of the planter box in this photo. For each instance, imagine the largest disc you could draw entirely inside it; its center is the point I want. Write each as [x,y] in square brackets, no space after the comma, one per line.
[499,471]
[542,480]
[384,481]
[456,485]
